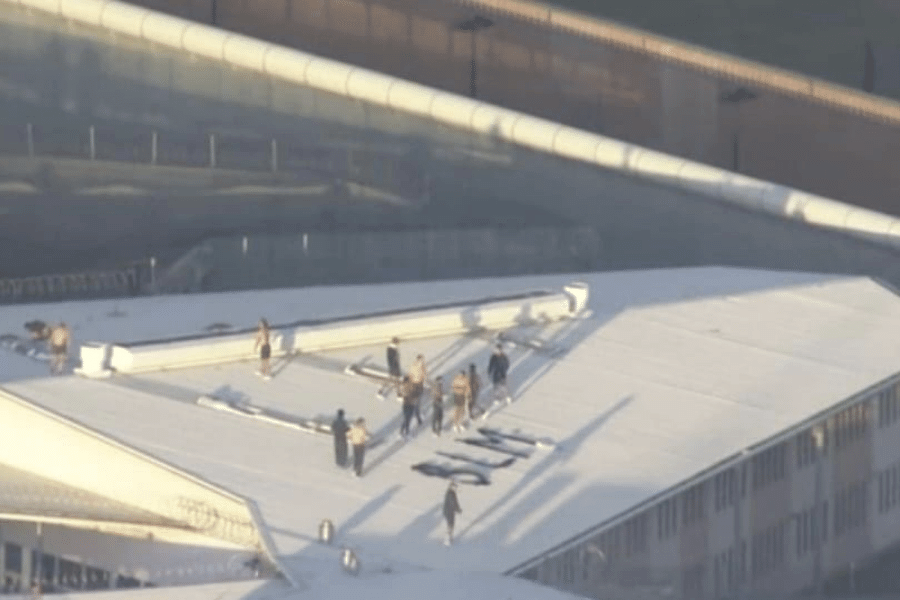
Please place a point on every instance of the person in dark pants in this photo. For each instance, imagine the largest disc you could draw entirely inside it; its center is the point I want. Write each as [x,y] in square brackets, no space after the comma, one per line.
[409,396]
[451,509]
[437,406]
[393,364]
[474,390]
[339,428]
[358,436]
[498,366]
[263,343]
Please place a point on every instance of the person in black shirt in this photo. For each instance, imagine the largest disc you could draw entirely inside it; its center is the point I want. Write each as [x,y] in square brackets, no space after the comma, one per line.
[497,369]
[451,509]
[339,428]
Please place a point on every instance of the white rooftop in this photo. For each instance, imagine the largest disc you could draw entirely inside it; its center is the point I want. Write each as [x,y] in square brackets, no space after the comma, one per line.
[672,371]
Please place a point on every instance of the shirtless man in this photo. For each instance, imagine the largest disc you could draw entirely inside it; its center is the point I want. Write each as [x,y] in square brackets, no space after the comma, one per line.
[265,348]
[59,348]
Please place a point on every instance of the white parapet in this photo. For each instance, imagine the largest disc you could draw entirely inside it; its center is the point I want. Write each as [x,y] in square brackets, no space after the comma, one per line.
[95,358]
[497,315]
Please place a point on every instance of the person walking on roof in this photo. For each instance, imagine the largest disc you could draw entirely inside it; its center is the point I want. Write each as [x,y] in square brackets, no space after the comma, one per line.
[437,406]
[461,390]
[417,375]
[393,364]
[339,428]
[59,348]
[263,343]
[451,509]
[358,436]
[407,393]
[474,389]
[498,366]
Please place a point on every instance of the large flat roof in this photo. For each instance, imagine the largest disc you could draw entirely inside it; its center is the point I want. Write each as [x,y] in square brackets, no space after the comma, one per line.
[672,371]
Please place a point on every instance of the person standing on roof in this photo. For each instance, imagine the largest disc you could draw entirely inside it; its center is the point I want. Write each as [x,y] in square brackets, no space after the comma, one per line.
[407,393]
[263,334]
[474,389]
[498,366]
[393,364]
[339,428]
[437,405]
[417,375]
[461,391]
[59,348]
[358,436]
[451,509]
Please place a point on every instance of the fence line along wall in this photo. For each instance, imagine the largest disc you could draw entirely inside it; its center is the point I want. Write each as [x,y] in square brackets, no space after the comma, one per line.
[695,57]
[475,117]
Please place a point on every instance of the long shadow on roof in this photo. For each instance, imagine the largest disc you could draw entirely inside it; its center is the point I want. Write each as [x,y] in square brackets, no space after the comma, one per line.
[559,455]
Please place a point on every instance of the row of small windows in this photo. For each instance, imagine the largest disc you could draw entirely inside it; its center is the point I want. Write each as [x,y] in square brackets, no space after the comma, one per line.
[727,485]
[851,424]
[56,574]
[769,466]
[767,550]
[692,509]
[807,446]
[730,569]
[889,489]
[636,534]
[850,507]
[692,581]
[811,526]
[888,405]
[667,518]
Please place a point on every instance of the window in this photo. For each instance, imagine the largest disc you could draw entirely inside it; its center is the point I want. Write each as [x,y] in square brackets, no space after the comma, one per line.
[70,574]
[13,557]
[127,582]
[769,466]
[692,509]
[725,489]
[888,405]
[810,525]
[806,446]
[48,567]
[729,567]
[850,507]
[636,534]
[692,581]
[767,549]
[851,424]
[667,519]
[96,579]
[889,488]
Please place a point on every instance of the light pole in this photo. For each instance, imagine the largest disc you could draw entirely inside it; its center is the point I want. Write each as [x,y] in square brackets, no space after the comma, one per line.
[735,98]
[213,11]
[474,25]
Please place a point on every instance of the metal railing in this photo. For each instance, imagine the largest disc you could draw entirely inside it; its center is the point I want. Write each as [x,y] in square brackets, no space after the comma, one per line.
[130,281]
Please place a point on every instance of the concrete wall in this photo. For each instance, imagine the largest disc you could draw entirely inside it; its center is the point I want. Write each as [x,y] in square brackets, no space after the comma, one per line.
[604,78]
[477,180]
[360,86]
[781,518]
[32,434]
[248,262]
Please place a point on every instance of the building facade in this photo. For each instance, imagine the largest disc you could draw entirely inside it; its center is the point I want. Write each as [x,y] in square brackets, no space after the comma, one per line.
[777,519]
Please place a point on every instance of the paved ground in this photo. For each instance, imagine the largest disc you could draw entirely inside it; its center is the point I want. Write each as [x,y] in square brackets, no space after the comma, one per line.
[824,38]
